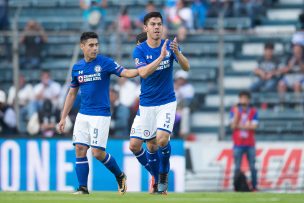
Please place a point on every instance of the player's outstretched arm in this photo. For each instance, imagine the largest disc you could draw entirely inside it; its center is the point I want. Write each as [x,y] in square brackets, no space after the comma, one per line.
[147,70]
[69,101]
[129,73]
[182,60]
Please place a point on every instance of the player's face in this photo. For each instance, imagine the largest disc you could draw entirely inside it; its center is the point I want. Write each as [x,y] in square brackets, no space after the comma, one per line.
[297,51]
[90,48]
[244,100]
[45,77]
[154,28]
[268,53]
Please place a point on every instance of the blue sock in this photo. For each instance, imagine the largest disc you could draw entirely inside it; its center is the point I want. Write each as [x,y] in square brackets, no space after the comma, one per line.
[164,158]
[153,161]
[111,164]
[142,158]
[82,171]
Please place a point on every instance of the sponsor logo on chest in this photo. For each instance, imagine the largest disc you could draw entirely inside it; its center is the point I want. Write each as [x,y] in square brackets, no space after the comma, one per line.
[82,77]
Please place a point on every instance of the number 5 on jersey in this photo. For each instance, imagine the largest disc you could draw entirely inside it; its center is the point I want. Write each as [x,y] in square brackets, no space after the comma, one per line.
[166,125]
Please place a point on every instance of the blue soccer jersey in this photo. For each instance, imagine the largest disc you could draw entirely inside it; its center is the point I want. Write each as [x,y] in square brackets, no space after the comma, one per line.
[93,79]
[157,89]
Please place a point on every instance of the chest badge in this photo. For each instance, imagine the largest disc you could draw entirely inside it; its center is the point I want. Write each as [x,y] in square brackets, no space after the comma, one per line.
[97,68]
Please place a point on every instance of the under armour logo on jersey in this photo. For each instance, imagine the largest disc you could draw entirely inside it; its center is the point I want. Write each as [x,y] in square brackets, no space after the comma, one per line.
[117,65]
[80,72]
[149,56]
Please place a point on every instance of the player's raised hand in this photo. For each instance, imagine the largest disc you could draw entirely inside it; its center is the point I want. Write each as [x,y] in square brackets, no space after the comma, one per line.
[174,45]
[61,125]
[163,53]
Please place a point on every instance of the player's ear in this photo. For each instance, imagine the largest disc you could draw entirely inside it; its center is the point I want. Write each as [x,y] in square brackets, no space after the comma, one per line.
[82,45]
[146,28]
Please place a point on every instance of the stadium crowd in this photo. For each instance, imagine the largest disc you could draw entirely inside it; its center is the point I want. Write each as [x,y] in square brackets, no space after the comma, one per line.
[40,103]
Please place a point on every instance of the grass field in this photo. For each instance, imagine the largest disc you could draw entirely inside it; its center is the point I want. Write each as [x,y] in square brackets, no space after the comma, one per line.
[110,197]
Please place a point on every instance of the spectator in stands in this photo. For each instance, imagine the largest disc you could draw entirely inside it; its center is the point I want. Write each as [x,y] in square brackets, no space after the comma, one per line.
[213,8]
[180,18]
[224,6]
[46,89]
[94,14]
[298,37]
[120,115]
[294,72]
[128,94]
[127,91]
[227,7]
[48,117]
[124,24]
[254,9]
[267,73]
[7,117]
[33,38]
[199,10]
[25,96]
[184,92]
[244,121]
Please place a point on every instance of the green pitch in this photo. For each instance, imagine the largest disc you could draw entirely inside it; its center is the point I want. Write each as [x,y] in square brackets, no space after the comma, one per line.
[111,197]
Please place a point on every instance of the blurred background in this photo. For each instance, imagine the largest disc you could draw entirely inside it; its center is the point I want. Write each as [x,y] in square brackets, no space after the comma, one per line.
[232,45]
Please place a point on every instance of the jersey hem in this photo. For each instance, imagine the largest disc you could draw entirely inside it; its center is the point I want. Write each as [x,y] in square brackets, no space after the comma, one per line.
[80,143]
[168,131]
[92,114]
[159,104]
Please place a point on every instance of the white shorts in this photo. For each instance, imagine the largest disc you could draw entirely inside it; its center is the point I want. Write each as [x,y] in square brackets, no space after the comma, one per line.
[153,118]
[91,130]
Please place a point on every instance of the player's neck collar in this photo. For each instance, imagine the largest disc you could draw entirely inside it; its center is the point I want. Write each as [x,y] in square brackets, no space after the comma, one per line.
[92,59]
[153,44]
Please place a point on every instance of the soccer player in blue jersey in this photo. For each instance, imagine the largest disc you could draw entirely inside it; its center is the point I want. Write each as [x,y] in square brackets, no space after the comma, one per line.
[92,76]
[155,118]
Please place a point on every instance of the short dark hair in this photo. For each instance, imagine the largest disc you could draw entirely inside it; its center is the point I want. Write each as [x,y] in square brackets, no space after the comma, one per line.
[245,93]
[269,45]
[47,71]
[88,35]
[150,3]
[141,37]
[153,14]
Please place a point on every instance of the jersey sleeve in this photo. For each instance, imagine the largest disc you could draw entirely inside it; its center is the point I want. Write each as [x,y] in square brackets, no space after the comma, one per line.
[255,118]
[231,115]
[139,58]
[113,67]
[74,80]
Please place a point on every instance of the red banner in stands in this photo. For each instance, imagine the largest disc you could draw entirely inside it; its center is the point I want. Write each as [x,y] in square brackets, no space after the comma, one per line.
[280,166]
